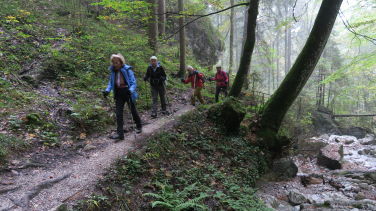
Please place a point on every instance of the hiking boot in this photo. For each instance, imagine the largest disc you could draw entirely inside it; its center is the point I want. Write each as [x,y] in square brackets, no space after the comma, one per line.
[117,138]
[139,130]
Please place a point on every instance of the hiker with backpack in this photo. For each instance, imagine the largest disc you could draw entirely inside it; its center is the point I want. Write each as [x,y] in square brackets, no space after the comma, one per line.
[197,81]
[156,76]
[123,82]
[222,82]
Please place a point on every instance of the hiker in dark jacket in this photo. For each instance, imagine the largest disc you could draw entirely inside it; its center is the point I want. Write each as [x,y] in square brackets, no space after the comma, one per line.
[156,75]
[222,82]
[123,83]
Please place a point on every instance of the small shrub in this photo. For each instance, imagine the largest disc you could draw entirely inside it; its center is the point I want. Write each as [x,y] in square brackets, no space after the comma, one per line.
[9,144]
[89,116]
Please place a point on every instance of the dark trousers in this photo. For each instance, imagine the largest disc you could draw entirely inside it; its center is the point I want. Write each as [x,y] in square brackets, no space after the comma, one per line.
[161,92]
[219,89]
[122,97]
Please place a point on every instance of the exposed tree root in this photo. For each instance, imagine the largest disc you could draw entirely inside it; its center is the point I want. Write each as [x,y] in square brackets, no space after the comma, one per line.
[6,190]
[25,201]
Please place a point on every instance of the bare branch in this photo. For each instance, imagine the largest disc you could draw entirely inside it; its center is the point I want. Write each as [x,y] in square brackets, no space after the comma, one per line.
[293,11]
[352,30]
[199,17]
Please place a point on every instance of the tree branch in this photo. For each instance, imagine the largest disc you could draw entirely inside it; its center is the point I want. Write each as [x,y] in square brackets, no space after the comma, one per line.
[352,30]
[293,11]
[178,14]
[199,17]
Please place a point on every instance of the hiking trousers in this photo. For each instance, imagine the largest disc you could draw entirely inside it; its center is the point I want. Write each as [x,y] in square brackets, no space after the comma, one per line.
[121,97]
[161,91]
[196,93]
[218,90]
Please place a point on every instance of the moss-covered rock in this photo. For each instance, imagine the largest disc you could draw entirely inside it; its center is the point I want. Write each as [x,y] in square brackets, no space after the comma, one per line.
[205,42]
[228,114]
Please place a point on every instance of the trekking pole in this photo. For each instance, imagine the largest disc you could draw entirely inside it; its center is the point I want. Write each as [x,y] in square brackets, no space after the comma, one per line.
[167,99]
[131,116]
[147,95]
[108,104]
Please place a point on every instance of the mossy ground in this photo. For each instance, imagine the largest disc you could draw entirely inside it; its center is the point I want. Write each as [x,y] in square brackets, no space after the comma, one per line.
[193,166]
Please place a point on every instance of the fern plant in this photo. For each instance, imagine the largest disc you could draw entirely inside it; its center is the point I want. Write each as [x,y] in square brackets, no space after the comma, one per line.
[170,199]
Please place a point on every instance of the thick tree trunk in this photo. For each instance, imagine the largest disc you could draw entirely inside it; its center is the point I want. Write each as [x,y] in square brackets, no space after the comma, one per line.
[249,45]
[231,62]
[278,105]
[153,26]
[181,40]
[247,82]
[162,17]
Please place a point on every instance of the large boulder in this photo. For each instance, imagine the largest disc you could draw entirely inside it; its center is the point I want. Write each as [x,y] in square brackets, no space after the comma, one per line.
[343,139]
[323,122]
[368,140]
[205,42]
[296,198]
[358,132]
[331,156]
[311,146]
[285,168]
[228,114]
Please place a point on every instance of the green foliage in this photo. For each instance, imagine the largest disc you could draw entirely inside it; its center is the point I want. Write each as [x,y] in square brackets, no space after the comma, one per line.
[10,144]
[239,198]
[89,116]
[94,203]
[134,9]
[49,138]
[176,200]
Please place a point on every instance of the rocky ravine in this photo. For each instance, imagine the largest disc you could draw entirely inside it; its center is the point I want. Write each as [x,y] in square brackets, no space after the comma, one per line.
[333,173]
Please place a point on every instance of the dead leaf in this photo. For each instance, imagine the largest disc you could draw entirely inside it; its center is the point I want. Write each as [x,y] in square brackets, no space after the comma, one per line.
[168,174]
[83,136]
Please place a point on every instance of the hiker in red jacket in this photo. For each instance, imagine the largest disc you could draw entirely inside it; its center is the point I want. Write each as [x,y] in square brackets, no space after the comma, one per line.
[197,83]
[222,82]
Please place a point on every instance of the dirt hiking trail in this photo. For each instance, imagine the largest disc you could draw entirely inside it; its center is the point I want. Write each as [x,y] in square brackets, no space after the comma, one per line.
[47,187]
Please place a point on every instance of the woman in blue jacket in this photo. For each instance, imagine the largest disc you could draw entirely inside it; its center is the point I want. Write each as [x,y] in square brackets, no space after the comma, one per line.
[123,83]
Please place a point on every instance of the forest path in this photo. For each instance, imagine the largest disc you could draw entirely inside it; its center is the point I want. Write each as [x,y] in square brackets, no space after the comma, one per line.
[47,187]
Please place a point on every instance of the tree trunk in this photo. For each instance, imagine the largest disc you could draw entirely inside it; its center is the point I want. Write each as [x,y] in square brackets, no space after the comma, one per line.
[277,60]
[249,45]
[162,17]
[247,82]
[181,40]
[289,46]
[231,62]
[277,106]
[153,25]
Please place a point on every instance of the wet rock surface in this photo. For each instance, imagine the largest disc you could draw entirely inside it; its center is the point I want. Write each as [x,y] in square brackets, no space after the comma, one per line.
[317,187]
[331,156]
[285,168]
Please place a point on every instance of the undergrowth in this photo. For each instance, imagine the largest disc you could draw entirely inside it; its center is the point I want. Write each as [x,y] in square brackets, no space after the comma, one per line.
[194,166]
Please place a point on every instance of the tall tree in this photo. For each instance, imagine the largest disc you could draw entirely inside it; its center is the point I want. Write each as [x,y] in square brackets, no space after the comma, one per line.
[278,105]
[246,84]
[231,62]
[249,45]
[181,40]
[153,25]
[162,17]
[287,37]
